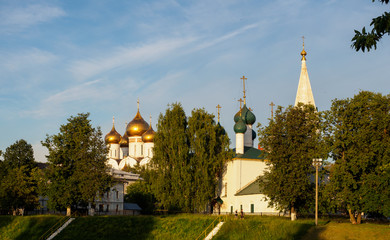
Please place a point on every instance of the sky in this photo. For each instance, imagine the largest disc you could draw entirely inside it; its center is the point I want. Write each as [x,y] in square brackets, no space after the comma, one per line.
[61,58]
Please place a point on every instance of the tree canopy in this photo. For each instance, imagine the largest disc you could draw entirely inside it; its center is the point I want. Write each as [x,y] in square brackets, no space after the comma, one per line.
[77,171]
[188,158]
[292,140]
[380,26]
[359,135]
[20,177]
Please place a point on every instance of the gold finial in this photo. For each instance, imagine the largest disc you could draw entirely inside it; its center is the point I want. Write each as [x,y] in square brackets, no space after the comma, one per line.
[272,110]
[218,107]
[240,100]
[150,119]
[113,120]
[303,53]
[243,81]
[138,104]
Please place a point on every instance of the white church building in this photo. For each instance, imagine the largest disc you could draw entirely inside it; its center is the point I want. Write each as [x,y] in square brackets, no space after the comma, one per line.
[239,188]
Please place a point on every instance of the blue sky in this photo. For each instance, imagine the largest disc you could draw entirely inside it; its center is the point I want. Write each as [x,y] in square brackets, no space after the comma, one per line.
[60,58]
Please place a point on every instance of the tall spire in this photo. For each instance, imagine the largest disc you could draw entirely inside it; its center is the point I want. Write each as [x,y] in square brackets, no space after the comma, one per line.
[304,92]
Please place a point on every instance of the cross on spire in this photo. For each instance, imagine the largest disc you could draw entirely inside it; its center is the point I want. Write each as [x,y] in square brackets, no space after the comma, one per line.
[218,108]
[303,40]
[243,81]
[150,119]
[138,104]
[272,110]
[240,100]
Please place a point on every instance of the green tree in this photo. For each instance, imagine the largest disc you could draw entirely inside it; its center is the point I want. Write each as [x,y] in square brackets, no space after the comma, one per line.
[360,177]
[77,171]
[19,185]
[380,26]
[139,192]
[188,158]
[19,154]
[292,139]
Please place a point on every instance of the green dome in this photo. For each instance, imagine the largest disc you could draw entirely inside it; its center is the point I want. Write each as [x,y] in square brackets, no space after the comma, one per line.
[253,134]
[247,116]
[240,126]
[250,118]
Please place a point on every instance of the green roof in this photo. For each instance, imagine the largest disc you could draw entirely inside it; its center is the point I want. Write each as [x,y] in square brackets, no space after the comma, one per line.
[251,153]
[252,188]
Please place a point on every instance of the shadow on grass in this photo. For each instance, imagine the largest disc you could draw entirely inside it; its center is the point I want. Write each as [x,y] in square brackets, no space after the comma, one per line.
[118,227]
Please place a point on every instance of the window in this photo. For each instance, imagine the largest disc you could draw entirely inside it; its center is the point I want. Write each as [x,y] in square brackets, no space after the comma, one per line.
[117,195]
[252,208]
[142,150]
[135,150]
[240,207]
[231,209]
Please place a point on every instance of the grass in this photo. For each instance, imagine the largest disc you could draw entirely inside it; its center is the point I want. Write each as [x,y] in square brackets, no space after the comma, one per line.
[341,231]
[263,227]
[183,226]
[27,227]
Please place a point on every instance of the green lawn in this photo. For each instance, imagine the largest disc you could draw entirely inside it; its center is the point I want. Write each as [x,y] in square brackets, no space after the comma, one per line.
[341,231]
[184,226]
[263,227]
[27,227]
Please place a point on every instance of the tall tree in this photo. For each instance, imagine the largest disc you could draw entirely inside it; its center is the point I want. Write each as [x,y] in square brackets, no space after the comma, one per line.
[77,171]
[188,158]
[380,26]
[20,178]
[170,179]
[360,177]
[292,139]
[209,150]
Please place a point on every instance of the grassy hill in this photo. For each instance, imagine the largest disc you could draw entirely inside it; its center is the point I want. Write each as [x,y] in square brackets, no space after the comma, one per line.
[27,227]
[187,226]
[184,226]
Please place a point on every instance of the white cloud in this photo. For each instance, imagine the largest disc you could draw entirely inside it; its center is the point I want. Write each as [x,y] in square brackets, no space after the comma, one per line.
[14,19]
[28,58]
[127,57]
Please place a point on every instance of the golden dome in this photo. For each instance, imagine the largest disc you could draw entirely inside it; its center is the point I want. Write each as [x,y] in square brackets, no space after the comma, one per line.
[124,140]
[137,126]
[113,137]
[148,136]
[303,53]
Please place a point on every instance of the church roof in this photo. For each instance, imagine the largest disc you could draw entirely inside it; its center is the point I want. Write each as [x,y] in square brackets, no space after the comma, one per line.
[251,153]
[251,188]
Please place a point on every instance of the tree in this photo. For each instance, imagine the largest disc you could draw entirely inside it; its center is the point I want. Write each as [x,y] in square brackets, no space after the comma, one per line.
[292,139]
[188,158]
[19,154]
[366,40]
[139,193]
[209,150]
[19,186]
[77,171]
[360,141]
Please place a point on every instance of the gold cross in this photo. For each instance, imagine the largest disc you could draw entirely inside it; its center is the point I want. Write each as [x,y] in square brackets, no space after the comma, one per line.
[303,39]
[243,81]
[272,110]
[218,107]
[240,100]
[138,104]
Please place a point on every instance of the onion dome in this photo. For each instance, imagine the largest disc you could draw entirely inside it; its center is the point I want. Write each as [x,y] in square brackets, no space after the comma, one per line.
[113,137]
[124,141]
[148,136]
[303,53]
[246,115]
[253,134]
[137,126]
[240,126]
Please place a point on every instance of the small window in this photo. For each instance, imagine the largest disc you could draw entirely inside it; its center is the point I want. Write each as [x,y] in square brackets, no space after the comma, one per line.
[240,207]
[135,150]
[142,150]
[252,208]
[117,195]
[231,209]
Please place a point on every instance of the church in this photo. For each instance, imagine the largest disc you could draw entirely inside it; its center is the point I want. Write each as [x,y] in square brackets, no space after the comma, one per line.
[135,146]
[239,188]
